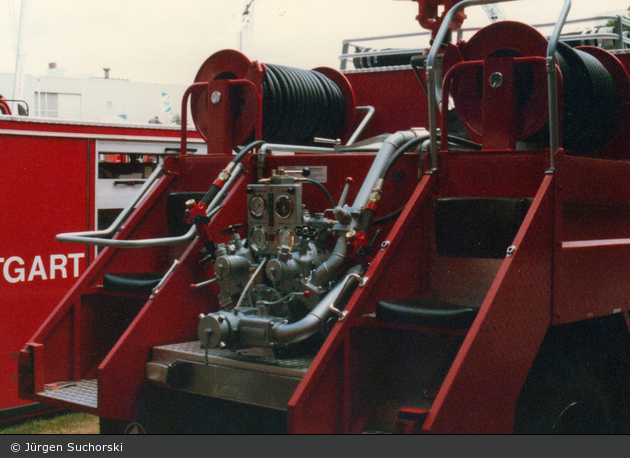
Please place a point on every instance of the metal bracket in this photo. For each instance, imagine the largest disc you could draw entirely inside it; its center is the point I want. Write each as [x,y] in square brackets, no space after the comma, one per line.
[341,315]
[155,290]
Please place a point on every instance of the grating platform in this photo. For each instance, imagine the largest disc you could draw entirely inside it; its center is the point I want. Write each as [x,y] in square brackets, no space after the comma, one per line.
[83,392]
[257,378]
[192,351]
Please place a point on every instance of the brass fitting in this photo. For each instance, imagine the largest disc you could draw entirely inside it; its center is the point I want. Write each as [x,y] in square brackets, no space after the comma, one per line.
[226,173]
[377,192]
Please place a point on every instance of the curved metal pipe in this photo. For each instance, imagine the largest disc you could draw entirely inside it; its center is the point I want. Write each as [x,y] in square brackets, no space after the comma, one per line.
[329,268]
[114,227]
[315,320]
[389,146]
[93,238]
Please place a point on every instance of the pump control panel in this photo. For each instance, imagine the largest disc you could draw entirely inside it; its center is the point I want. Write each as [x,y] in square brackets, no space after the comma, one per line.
[274,210]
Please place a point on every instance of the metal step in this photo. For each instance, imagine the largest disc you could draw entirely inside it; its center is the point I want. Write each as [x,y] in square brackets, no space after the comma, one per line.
[83,392]
[252,378]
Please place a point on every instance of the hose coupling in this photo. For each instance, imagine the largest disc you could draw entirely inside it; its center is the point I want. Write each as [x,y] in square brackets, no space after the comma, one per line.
[375,195]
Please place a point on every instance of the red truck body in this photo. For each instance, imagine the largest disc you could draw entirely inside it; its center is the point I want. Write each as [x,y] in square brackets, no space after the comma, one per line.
[66,194]
[476,284]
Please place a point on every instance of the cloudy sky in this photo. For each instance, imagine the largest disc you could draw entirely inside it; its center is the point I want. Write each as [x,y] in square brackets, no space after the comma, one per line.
[166,41]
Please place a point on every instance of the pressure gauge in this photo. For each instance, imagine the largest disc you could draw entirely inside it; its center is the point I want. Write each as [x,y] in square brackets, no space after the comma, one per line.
[258,239]
[257,206]
[284,237]
[284,206]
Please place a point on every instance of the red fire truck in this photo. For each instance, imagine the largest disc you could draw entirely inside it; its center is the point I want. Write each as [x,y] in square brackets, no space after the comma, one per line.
[98,171]
[435,241]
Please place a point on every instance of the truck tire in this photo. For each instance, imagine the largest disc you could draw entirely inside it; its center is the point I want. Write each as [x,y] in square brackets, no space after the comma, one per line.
[578,383]
[109,426]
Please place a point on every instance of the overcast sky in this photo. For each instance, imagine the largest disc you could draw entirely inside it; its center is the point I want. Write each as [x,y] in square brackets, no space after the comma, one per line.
[165,41]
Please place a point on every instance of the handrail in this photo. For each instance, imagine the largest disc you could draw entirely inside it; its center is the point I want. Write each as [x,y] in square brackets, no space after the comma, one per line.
[116,224]
[93,238]
[431,74]
[552,85]
[617,36]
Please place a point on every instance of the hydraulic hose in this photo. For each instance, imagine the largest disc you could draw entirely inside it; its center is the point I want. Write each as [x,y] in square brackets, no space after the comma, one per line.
[227,172]
[389,146]
[368,219]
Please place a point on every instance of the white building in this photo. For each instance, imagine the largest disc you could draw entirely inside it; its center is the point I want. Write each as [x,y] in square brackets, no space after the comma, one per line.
[101,99]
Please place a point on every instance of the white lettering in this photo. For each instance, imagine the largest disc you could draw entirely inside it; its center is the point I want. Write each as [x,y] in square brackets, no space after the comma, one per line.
[19,270]
[37,269]
[60,266]
[14,268]
[76,257]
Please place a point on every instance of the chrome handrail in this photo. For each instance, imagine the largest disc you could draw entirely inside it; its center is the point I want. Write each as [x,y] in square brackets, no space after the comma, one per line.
[94,237]
[552,84]
[117,223]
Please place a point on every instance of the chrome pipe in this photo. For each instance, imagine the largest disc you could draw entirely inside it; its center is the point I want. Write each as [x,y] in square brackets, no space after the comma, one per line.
[316,318]
[93,238]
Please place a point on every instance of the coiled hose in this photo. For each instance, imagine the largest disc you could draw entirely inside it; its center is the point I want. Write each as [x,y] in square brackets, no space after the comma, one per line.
[589,102]
[299,105]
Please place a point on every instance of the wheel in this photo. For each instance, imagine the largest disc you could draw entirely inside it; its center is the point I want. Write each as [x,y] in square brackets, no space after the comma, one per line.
[109,426]
[578,383]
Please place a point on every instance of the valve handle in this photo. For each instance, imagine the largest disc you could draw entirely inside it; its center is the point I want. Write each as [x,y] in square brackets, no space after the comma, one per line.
[305,231]
[231,230]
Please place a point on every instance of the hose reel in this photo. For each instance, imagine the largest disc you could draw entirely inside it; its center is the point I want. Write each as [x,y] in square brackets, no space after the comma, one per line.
[499,88]
[238,100]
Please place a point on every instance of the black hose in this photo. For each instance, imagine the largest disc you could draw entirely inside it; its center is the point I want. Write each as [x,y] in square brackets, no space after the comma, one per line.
[414,142]
[246,149]
[321,186]
[369,219]
[589,101]
[215,188]
[299,105]
[388,218]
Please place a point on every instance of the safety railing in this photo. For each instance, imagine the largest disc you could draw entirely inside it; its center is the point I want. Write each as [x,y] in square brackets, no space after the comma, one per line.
[611,36]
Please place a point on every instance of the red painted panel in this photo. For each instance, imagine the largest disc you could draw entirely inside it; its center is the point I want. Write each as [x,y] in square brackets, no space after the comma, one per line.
[48,183]
[397,96]
[480,391]
[591,280]
[41,198]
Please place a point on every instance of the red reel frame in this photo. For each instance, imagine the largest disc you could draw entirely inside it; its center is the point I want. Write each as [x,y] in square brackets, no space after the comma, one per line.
[502,70]
[227,98]
[226,104]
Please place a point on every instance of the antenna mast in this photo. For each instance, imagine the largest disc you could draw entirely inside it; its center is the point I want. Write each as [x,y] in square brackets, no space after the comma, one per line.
[18,77]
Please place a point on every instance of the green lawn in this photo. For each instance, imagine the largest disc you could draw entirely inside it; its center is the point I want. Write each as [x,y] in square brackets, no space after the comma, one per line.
[57,423]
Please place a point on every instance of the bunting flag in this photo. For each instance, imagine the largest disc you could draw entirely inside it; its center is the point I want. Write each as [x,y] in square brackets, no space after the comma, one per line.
[166,105]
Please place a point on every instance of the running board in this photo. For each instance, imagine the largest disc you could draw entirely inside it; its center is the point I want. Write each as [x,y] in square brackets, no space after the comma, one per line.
[82,393]
[250,378]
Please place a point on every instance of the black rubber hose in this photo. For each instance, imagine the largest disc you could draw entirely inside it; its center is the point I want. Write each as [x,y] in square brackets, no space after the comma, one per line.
[369,219]
[246,149]
[321,186]
[214,189]
[299,105]
[210,195]
[414,142]
[388,218]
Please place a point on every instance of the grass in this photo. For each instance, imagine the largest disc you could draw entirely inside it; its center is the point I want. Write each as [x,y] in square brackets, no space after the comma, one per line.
[56,423]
